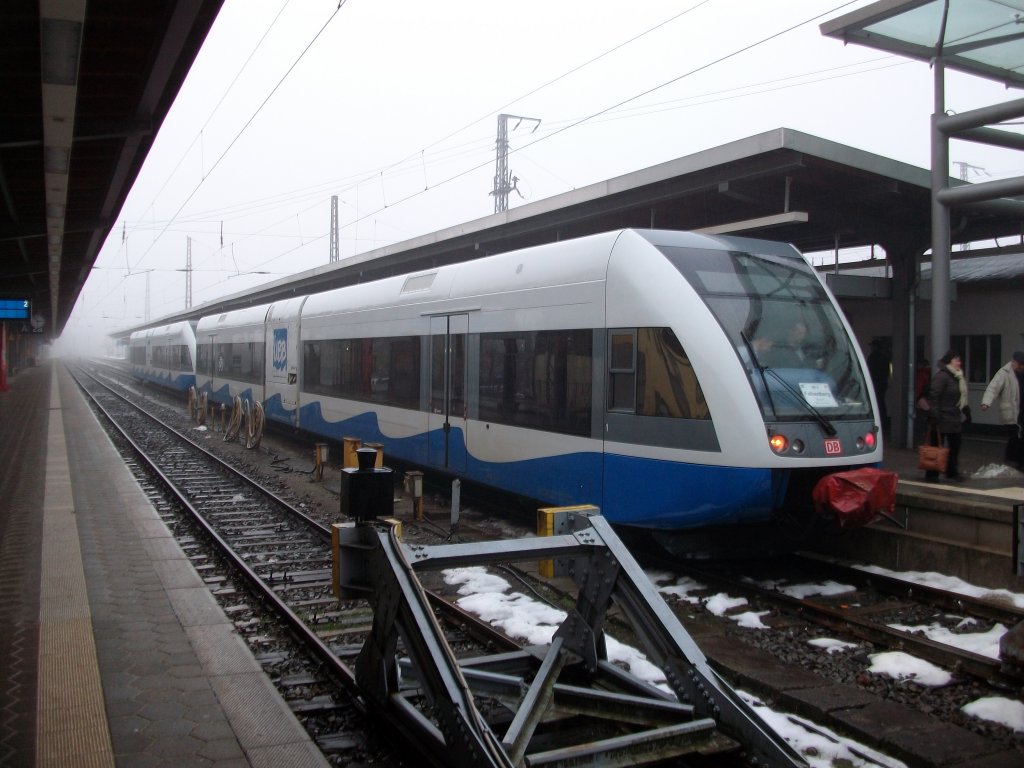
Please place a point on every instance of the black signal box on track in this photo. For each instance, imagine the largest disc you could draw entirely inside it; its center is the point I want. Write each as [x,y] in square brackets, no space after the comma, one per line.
[367,492]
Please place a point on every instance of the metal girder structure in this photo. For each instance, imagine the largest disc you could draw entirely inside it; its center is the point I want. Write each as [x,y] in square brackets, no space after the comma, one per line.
[557,705]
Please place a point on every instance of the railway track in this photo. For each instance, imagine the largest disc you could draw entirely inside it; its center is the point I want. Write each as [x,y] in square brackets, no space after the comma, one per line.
[767,623]
[787,642]
[266,563]
[283,558]
[881,610]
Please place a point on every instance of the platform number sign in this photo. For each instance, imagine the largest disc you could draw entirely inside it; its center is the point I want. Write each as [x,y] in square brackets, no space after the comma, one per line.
[280,349]
[15,309]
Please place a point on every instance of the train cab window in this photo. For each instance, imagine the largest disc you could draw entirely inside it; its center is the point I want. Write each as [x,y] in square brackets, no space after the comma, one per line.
[785,329]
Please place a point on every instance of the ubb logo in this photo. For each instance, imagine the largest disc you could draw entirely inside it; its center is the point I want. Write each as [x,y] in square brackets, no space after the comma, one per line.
[280,348]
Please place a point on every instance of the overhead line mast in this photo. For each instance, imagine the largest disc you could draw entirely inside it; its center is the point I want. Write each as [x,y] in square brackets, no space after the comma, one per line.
[504,181]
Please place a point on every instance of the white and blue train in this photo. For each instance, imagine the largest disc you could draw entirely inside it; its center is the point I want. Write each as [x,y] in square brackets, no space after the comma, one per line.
[673,379]
[165,355]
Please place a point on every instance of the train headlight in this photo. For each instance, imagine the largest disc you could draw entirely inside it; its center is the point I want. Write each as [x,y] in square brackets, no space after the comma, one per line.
[779,443]
[798,446]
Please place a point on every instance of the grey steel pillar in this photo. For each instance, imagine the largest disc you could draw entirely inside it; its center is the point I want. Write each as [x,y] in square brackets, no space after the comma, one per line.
[940,221]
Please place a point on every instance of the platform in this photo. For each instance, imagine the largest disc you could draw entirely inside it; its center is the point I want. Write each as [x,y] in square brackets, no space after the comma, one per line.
[114,650]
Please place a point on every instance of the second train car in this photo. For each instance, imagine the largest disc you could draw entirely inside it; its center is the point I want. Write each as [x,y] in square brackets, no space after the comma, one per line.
[164,355]
[673,379]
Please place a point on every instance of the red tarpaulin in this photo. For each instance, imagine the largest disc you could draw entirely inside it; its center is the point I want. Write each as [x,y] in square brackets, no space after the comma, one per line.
[856,497]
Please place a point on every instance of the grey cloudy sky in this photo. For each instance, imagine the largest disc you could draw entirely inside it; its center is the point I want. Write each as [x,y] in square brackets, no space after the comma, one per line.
[392,106]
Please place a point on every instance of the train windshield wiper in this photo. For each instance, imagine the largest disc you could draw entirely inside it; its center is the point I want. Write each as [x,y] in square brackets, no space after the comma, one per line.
[825,424]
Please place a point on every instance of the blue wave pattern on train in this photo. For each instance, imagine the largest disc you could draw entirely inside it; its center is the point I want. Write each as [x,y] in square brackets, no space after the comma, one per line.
[673,379]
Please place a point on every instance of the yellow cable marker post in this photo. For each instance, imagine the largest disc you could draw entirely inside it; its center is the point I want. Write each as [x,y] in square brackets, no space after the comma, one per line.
[348,452]
[554,521]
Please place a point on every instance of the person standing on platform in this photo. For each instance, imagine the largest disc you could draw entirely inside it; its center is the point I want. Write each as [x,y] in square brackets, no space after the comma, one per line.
[878,367]
[1005,391]
[948,399]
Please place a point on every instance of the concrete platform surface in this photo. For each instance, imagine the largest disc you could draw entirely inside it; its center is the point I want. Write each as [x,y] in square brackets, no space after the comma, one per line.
[118,653]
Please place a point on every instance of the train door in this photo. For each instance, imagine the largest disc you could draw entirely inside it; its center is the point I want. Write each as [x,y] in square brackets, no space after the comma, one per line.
[283,371]
[446,422]
[206,367]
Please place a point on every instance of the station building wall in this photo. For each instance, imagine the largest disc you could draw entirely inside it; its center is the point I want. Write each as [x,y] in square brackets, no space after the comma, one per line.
[981,311]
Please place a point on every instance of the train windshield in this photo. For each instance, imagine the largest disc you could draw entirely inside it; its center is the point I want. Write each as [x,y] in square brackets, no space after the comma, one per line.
[800,361]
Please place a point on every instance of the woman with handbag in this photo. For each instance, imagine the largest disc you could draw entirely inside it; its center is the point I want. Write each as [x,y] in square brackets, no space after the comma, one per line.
[948,401]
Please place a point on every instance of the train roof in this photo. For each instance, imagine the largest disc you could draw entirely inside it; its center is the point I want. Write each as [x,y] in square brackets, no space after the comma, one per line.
[671,237]
[248,316]
[566,262]
[183,328]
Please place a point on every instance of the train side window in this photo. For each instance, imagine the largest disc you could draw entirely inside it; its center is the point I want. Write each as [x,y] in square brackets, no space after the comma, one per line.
[537,379]
[622,371]
[204,356]
[373,370]
[667,385]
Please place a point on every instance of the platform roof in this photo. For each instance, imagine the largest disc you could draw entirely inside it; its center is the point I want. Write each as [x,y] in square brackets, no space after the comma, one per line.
[981,37]
[780,185]
[84,87]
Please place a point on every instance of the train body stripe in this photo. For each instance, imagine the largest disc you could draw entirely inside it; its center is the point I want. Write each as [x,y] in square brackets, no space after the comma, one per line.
[629,490]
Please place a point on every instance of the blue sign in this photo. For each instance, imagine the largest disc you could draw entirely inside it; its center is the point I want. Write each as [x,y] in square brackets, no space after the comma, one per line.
[15,309]
[280,348]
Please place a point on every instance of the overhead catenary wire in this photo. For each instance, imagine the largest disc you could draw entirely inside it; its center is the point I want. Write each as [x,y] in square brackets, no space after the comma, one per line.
[362,177]
[606,110]
[423,160]
[249,122]
[553,128]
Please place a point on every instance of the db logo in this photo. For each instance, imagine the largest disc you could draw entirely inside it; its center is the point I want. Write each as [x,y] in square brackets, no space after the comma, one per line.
[833,447]
[280,348]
